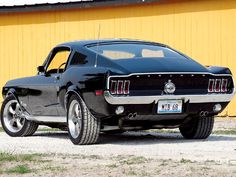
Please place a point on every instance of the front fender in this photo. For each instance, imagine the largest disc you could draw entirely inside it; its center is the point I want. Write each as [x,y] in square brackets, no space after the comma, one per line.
[13,92]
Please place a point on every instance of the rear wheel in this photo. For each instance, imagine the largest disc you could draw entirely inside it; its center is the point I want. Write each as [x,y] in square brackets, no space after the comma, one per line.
[198,128]
[83,127]
[13,120]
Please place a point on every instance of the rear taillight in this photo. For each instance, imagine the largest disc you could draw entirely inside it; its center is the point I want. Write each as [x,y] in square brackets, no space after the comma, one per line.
[120,87]
[211,85]
[126,87]
[224,85]
[113,87]
[217,85]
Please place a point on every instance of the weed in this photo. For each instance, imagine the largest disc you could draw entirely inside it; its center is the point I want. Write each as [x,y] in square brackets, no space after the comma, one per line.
[7,157]
[225,132]
[134,160]
[164,162]
[54,169]
[185,161]
[112,165]
[19,169]
[132,173]
[48,129]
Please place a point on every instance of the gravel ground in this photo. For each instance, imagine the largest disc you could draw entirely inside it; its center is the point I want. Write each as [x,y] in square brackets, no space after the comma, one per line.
[127,154]
[147,144]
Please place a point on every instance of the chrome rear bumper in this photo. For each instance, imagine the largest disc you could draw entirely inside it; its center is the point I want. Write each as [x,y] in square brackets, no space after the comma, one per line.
[207,98]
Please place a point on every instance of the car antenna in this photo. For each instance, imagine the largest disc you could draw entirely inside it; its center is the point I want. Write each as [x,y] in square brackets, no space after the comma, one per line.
[96,60]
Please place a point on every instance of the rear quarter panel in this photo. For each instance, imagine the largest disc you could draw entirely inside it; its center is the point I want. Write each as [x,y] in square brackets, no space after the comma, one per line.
[85,81]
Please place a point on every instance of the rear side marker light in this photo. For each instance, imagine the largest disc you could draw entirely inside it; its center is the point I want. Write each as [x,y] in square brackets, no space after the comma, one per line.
[211,85]
[217,85]
[99,92]
[224,85]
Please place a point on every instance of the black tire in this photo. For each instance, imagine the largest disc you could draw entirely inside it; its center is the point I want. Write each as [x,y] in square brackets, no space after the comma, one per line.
[198,128]
[32,128]
[28,127]
[89,129]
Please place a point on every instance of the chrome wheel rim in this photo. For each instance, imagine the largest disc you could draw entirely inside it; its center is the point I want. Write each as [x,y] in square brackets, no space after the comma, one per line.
[75,119]
[12,117]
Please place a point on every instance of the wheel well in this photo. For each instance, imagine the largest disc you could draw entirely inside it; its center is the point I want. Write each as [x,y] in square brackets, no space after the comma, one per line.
[68,96]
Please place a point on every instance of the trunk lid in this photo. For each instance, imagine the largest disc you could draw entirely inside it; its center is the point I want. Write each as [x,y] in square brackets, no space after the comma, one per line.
[148,65]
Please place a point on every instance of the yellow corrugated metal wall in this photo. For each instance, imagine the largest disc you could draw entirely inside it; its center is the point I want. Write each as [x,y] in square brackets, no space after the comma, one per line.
[202,29]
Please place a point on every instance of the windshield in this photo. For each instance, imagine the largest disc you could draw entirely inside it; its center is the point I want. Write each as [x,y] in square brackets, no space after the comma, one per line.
[134,50]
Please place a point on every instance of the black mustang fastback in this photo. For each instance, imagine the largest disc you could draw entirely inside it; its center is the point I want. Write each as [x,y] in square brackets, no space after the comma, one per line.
[87,87]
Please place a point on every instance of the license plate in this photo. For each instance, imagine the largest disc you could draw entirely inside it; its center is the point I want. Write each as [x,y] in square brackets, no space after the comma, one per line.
[169,106]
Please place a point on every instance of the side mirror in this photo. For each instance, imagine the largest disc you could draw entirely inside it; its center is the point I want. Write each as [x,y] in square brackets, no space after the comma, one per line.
[41,69]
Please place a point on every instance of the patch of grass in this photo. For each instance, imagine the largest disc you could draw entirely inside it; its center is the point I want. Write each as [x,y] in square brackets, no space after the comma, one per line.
[210,161]
[7,157]
[134,160]
[94,157]
[217,132]
[48,129]
[185,161]
[132,173]
[22,163]
[225,132]
[90,157]
[144,173]
[205,168]
[19,169]
[54,169]
[163,130]
[1,129]
[164,162]
[112,165]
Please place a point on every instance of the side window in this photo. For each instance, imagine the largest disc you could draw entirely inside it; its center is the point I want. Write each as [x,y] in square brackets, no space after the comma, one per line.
[78,59]
[58,61]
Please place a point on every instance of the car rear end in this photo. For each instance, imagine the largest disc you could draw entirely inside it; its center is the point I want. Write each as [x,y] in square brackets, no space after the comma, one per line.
[152,84]
[157,96]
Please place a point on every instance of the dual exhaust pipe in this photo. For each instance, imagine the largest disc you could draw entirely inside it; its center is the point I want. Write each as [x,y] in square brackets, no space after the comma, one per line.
[132,115]
[203,113]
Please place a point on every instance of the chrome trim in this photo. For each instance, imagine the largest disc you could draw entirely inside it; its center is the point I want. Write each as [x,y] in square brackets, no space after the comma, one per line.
[165,73]
[49,119]
[206,98]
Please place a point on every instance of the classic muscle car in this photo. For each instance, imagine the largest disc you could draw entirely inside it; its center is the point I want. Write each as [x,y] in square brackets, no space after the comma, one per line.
[93,86]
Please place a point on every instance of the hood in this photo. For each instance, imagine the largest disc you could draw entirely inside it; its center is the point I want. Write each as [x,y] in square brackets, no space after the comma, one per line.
[142,65]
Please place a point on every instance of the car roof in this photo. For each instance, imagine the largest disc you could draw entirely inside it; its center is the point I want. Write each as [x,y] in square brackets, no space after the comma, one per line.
[82,43]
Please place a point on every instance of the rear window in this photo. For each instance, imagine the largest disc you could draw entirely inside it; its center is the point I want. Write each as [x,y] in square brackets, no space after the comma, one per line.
[134,50]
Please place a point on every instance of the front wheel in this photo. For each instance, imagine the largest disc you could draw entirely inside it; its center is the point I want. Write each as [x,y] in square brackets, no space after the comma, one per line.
[13,120]
[83,127]
[197,128]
